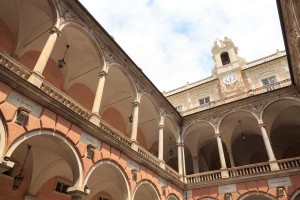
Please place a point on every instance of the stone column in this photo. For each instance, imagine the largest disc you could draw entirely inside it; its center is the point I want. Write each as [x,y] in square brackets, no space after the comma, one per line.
[161,142]
[272,160]
[180,158]
[195,164]
[36,78]
[231,158]
[135,119]
[224,171]
[30,197]
[98,97]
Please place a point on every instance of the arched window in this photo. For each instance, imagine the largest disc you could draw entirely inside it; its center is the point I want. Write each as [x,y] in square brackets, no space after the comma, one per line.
[225,58]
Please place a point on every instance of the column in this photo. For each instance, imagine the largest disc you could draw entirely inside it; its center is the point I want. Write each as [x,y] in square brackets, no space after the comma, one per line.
[195,164]
[36,78]
[135,118]
[161,142]
[272,160]
[98,97]
[180,158]
[78,193]
[231,158]
[224,171]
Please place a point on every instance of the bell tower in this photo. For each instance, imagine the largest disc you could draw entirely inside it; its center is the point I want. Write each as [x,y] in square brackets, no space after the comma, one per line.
[225,55]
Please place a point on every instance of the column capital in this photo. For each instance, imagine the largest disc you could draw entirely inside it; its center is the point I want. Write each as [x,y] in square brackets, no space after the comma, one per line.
[161,126]
[194,157]
[135,104]
[262,125]
[180,144]
[218,135]
[102,74]
[54,29]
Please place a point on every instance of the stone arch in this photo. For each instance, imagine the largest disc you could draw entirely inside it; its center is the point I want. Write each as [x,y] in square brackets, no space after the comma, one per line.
[150,187]
[112,165]
[255,195]
[295,195]
[185,130]
[73,156]
[172,197]
[128,76]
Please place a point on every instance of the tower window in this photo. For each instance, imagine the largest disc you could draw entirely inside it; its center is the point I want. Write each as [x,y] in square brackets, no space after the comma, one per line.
[225,58]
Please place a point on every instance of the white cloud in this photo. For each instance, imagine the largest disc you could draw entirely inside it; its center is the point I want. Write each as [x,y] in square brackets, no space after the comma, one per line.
[171,40]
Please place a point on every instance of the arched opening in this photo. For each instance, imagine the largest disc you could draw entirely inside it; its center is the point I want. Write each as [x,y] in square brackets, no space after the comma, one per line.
[82,94]
[114,118]
[170,143]
[145,190]
[106,179]
[50,158]
[283,127]
[257,196]
[172,197]
[225,58]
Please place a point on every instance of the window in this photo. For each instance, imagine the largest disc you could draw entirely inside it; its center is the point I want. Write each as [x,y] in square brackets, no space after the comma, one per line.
[61,187]
[179,108]
[204,101]
[225,58]
[268,81]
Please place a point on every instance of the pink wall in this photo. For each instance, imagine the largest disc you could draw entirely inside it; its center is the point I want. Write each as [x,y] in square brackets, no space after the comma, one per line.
[7,43]
[82,94]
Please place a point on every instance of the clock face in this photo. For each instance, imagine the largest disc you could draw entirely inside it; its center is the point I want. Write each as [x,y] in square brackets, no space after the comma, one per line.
[229,79]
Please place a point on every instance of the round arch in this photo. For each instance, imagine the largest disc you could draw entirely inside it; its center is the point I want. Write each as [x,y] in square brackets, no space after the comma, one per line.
[154,103]
[185,130]
[257,196]
[128,76]
[295,195]
[146,185]
[77,168]
[113,166]
[172,197]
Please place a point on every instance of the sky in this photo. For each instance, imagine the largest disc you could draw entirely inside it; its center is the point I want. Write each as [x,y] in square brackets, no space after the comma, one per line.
[171,40]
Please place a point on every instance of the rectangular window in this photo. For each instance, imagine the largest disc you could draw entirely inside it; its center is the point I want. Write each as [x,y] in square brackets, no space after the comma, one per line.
[61,187]
[204,101]
[179,108]
[269,80]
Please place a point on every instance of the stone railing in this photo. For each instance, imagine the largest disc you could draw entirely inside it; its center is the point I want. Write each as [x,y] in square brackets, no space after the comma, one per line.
[236,97]
[14,66]
[148,155]
[203,177]
[173,172]
[65,100]
[249,169]
[115,133]
[289,163]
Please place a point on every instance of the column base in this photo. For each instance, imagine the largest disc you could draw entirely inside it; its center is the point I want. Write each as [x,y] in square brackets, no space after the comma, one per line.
[6,166]
[95,119]
[135,145]
[36,79]
[224,173]
[273,165]
[78,193]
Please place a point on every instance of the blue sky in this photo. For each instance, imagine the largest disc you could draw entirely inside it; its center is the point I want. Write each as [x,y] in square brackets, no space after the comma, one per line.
[171,40]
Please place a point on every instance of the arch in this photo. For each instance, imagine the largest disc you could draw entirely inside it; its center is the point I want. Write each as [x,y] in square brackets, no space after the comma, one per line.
[94,41]
[295,195]
[154,103]
[172,197]
[112,116]
[113,166]
[76,169]
[185,130]
[256,195]
[128,76]
[151,188]
[2,137]
[266,73]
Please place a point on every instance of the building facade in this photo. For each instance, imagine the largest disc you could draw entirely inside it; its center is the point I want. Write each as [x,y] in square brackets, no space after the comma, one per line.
[80,120]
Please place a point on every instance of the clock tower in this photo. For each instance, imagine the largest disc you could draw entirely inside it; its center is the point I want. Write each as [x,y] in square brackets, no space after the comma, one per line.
[228,65]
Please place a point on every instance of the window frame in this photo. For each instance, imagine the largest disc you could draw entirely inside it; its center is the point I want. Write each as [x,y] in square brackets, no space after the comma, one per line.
[269,79]
[204,101]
